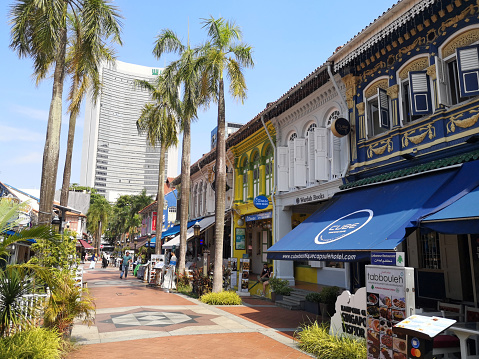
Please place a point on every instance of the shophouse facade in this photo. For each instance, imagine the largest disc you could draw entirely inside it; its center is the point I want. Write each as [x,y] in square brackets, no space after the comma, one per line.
[411,88]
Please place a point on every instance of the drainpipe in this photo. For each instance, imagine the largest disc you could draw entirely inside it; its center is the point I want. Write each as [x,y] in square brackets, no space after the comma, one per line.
[343,101]
[273,194]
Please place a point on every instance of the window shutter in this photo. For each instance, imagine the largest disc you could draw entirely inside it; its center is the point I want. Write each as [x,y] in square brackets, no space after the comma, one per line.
[441,82]
[322,165]
[299,162]
[383,101]
[291,164]
[336,160]
[468,70]
[419,93]
[311,155]
[283,164]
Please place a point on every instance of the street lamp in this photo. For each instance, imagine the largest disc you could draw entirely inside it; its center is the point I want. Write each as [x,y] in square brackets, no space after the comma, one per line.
[196,231]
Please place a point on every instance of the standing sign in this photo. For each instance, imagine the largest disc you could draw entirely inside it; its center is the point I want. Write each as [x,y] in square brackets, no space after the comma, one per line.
[244,275]
[390,299]
[350,317]
[233,265]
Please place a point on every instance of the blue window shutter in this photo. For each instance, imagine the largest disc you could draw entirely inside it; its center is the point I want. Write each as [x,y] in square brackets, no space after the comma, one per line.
[419,93]
[468,70]
[383,101]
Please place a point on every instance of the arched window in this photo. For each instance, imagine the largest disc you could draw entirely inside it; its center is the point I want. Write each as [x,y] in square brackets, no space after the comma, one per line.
[310,155]
[245,181]
[256,164]
[268,171]
[293,136]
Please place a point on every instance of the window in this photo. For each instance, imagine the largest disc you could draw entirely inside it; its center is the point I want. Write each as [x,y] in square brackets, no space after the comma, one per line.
[334,148]
[269,171]
[406,104]
[256,164]
[310,157]
[430,251]
[245,181]
[377,113]
[200,199]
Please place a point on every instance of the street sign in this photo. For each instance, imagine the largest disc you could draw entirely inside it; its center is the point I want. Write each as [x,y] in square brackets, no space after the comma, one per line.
[101,246]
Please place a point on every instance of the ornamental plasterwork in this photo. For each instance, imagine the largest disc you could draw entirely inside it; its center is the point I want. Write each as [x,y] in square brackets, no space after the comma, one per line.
[393,91]
[431,71]
[416,65]
[378,148]
[360,107]
[350,81]
[366,73]
[465,123]
[470,10]
[409,136]
[373,89]
[309,107]
[464,39]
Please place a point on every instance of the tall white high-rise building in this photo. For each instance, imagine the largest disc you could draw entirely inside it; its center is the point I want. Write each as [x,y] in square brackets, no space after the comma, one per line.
[116,160]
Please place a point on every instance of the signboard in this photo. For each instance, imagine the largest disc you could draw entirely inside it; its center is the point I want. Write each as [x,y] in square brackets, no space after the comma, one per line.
[340,127]
[422,326]
[244,275]
[310,198]
[259,216]
[153,221]
[390,299]
[101,246]
[261,202]
[344,226]
[350,318]
[388,258]
[240,239]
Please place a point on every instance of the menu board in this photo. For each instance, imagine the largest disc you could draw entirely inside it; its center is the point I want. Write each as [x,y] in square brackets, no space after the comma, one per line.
[387,305]
[244,274]
[422,326]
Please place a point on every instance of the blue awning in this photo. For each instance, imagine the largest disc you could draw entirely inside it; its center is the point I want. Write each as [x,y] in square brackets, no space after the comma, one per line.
[170,232]
[354,223]
[460,214]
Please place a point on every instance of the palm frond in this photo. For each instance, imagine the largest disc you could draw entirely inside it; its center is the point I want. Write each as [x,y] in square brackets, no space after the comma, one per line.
[167,41]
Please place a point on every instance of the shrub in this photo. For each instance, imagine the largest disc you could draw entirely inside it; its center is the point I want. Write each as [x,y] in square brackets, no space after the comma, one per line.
[221,298]
[329,295]
[313,297]
[34,343]
[280,286]
[314,338]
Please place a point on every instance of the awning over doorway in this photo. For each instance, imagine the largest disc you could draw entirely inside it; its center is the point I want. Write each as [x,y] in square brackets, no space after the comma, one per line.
[85,244]
[205,223]
[354,223]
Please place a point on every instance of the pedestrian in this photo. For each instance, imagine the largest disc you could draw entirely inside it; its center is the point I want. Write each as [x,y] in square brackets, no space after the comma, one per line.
[265,274]
[125,264]
[92,261]
[104,260]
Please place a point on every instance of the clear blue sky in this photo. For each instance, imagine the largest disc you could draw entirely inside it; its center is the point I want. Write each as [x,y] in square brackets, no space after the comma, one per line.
[290,40]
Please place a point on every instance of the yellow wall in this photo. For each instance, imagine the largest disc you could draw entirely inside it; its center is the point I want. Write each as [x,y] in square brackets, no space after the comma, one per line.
[305,274]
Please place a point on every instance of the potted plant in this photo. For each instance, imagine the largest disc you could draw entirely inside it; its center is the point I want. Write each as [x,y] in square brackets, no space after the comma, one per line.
[279,288]
[312,302]
[328,301]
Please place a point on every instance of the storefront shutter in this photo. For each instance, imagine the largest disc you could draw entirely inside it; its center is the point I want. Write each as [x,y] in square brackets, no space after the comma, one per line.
[300,162]
[311,155]
[468,70]
[441,82]
[283,164]
[419,93]
[383,101]
[322,165]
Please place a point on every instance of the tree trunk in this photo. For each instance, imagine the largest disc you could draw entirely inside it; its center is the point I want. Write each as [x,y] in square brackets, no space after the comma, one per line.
[185,193]
[220,189]
[51,150]
[67,170]
[161,199]
[98,241]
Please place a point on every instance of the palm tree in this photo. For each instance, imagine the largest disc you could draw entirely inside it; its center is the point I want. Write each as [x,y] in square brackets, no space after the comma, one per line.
[40,31]
[183,72]
[218,55]
[159,122]
[97,216]
[83,60]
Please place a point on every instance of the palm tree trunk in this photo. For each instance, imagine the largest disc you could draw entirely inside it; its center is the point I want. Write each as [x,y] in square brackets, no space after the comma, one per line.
[67,170]
[185,192]
[51,150]
[220,188]
[161,198]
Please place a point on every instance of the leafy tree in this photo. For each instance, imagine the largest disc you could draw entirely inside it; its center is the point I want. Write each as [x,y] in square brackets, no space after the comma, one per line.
[185,73]
[56,254]
[159,122]
[97,217]
[40,31]
[219,55]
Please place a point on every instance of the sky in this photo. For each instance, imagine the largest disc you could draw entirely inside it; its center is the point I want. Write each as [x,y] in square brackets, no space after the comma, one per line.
[290,39]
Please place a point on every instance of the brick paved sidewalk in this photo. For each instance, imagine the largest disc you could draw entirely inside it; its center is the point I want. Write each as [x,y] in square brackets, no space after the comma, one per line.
[135,320]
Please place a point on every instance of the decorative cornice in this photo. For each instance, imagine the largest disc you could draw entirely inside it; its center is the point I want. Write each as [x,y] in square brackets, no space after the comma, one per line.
[373,89]
[464,39]
[393,91]
[431,71]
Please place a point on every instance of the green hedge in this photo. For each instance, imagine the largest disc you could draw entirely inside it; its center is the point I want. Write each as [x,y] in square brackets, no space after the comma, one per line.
[33,343]
[221,298]
[314,338]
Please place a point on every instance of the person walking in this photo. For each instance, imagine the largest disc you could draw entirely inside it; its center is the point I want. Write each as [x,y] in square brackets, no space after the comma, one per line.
[92,261]
[265,275]
[125,264]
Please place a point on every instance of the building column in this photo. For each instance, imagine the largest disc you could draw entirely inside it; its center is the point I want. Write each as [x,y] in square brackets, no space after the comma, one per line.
[262,176]
[282,222]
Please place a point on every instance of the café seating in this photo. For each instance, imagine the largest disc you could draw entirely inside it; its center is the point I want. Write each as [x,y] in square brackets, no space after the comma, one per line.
[446,344]
[472,315]
[449,310]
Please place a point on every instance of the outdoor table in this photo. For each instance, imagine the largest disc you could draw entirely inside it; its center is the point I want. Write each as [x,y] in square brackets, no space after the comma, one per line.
[464,331]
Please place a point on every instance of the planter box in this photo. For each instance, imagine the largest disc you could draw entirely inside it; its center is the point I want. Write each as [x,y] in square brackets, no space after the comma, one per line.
[275,297]
[312,307]
[327,311]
